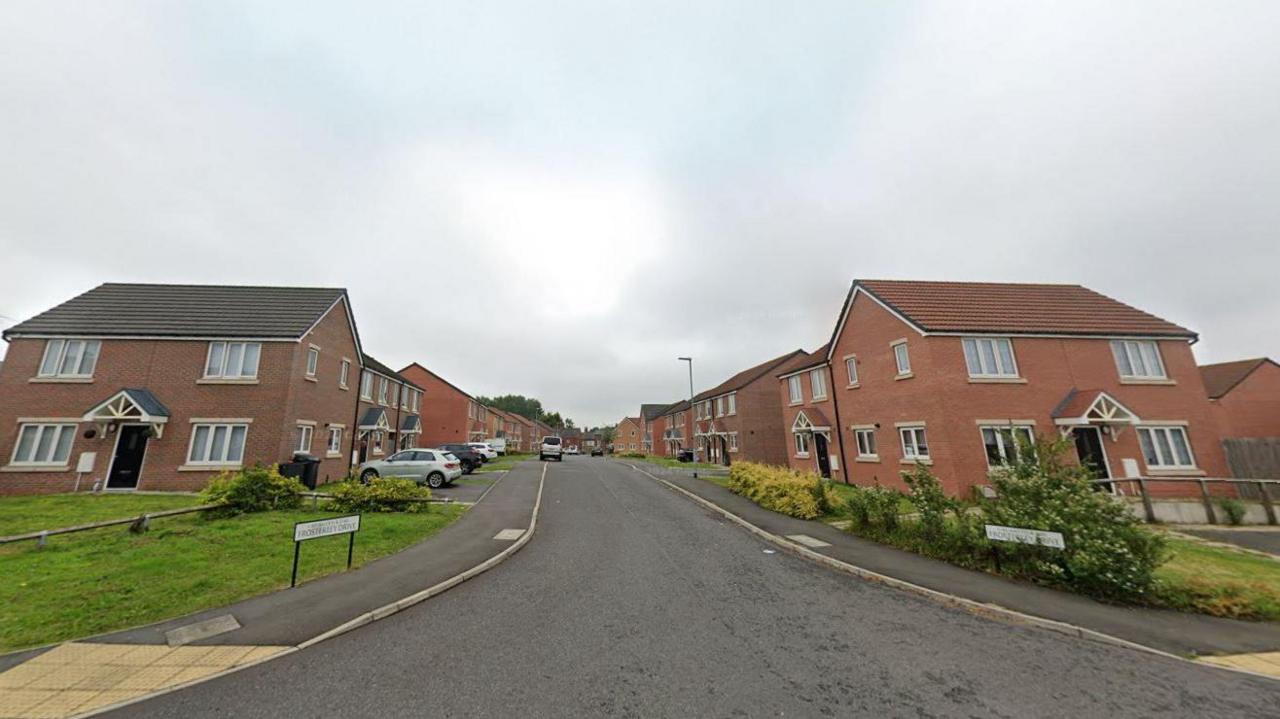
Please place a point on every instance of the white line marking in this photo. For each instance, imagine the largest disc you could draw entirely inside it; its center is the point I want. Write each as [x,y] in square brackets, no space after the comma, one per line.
[509,535]
[807,541]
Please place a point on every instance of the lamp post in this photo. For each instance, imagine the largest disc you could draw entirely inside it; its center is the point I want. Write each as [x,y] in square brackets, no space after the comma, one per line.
[690,409]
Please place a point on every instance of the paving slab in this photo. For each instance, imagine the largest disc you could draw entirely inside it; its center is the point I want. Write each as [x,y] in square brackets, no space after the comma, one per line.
[1169,631]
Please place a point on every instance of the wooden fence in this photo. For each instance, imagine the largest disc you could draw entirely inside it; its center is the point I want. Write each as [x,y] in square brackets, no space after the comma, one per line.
[1258,458]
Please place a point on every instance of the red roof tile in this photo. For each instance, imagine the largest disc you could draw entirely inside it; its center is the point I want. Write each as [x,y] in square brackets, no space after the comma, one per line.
[1221,378]
[803,362]
[746,376]
[1016,308]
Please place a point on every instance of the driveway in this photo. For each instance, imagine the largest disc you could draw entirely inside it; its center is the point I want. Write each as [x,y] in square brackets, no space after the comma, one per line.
[632,601]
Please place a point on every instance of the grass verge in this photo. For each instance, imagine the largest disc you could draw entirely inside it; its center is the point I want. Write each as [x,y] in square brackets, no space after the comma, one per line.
[673,462]
[20,515]
[109,579]
[1219,581]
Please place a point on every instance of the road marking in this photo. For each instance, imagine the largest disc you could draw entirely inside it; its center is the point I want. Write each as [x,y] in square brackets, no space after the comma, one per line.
[807,541]
[509,535]
[201,630]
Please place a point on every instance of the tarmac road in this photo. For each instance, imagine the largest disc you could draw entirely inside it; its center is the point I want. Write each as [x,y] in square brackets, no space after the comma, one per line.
[632,601]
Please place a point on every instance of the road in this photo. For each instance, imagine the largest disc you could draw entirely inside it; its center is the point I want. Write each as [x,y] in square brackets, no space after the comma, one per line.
[632,601]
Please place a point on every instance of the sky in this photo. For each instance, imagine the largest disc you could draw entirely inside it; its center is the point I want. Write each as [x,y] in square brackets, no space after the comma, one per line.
[558,200]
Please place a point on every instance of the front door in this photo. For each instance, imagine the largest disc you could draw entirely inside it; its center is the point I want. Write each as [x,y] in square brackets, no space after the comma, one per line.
[1091,452]
[724,451]
[824,459]
[131,446]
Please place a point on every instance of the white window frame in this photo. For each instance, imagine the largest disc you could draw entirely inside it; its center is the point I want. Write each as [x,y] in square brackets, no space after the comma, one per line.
[333,445]
[732,402]
[851,369]
[375,439]
[996,365]
[344,373]
[225,347]
[384,386]
[306,433]
[733,441]
[1167,449]
[912,438]
[313,361]
[57,349]
[719,406]
[366,385]
[795,389]
[902,360]
[1131,353]
[817,384]
[212,427]
[1008,455]
[801,440]
[865,439]
[58,431]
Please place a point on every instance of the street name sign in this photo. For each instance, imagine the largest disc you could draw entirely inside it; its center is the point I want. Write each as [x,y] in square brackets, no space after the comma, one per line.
[998,533]
[325,527]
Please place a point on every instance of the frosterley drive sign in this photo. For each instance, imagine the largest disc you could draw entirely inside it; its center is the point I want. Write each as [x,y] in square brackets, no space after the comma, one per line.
[302,531]
[1025,536]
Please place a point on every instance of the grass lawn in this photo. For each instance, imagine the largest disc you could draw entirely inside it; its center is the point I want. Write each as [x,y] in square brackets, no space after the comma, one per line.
[1220,581]
[19,515]
[673,462]
[108,579]
[503,462]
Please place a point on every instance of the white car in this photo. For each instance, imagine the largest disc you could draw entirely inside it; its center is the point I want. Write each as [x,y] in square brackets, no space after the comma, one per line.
[499,444]
[484,448]
[551,449]
[432,467]
[571,450]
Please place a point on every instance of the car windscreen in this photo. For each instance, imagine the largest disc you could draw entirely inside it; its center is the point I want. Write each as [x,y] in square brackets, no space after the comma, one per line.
[551,440]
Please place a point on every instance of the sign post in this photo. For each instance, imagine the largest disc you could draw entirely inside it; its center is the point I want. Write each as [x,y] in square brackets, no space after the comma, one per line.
[302,531]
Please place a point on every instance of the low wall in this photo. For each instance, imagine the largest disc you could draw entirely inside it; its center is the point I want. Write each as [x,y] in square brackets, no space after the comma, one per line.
[1191,511]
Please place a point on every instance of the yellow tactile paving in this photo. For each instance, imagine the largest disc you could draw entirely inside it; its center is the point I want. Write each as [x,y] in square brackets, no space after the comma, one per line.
[80,677]
[1261,663]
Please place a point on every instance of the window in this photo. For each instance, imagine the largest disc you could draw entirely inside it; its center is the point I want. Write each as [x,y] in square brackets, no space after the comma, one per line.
[414,398]
[794,389]
[851,367]
[304,437]
[395,394]
[366,386]
[802,444]
[866,442]
[334,446]
[719,406]
[989,357]
[471,410]
[914,445]
[44,444]
[706,409]
[377,442]
[344,373]
[733,403]
[232,360]
[1005,444]
[1138,359]
[818,384]
[902,358]
[217,444]
[733,441]
[313,359]
[69,358]
[383,386]
[1166,447]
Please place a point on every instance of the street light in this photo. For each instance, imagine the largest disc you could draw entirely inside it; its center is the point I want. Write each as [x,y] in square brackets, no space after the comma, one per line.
[690,409]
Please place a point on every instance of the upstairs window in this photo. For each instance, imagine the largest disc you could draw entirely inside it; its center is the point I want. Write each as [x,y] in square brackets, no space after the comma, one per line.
[989,357]
[1166,447]
[366,386]
[1138,359]
[313,359]
[902,358]
[383,387]
[70,358]
[818,384]
[851,367]
[732,401]
[344,373]
[719,406]
[232,360]
[794,390]
[1006,444]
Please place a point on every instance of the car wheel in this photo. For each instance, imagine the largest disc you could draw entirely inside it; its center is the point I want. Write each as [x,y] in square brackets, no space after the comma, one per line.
[435,480]
[368,475]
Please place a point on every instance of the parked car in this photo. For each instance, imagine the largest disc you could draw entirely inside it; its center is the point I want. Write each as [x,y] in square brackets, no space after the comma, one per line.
[597,451]
[432,467]
[485,449]
[499,444]
[551,449]
[469,457]
[571,450]
[685,455]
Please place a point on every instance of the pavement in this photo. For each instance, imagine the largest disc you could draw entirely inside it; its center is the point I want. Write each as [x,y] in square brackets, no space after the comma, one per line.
[1174,632]
[78,676]
[632,600]
[1259,539]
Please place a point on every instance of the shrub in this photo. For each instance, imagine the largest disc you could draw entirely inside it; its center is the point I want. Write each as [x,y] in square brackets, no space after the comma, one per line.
[633,455]
[782,490]
[381,494]
[1234,509]
[254,489]
[929,500]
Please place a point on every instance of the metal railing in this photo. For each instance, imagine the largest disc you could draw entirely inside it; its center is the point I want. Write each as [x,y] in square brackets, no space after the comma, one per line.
[1264,487]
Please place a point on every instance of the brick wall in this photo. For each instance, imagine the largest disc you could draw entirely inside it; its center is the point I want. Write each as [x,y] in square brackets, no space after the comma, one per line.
[1252,408]
[826,407]
[444,408]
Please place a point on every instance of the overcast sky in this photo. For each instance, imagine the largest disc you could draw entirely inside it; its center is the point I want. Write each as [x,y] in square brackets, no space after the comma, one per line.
[558,201]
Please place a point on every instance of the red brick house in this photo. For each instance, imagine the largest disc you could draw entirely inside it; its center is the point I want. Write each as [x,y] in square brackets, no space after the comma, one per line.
[628,436]
[956,374]
[809,415]
[741,418]
[648,414]
[677,428]
[388,411]
[448,413]
[160,387]
[1245,396]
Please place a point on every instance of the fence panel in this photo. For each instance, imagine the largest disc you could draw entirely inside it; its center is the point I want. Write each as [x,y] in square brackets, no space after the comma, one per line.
[1254,458]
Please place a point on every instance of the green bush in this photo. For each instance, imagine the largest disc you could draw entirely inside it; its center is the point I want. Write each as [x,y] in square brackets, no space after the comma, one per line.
[382,494]
[632,455]
[1234,509]
[254,489]
[782,490]
[930,501]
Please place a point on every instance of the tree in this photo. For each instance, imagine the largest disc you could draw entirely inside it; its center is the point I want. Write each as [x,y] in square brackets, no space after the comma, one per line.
[527,407]
[553,420]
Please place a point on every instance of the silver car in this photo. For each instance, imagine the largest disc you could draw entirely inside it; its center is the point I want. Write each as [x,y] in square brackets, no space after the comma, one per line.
[432,467]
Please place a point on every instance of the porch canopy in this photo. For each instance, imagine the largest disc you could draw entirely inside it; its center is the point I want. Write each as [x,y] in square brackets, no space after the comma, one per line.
[374,420]
[411,424]
[132,405]
[810,421]
[1096,408]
